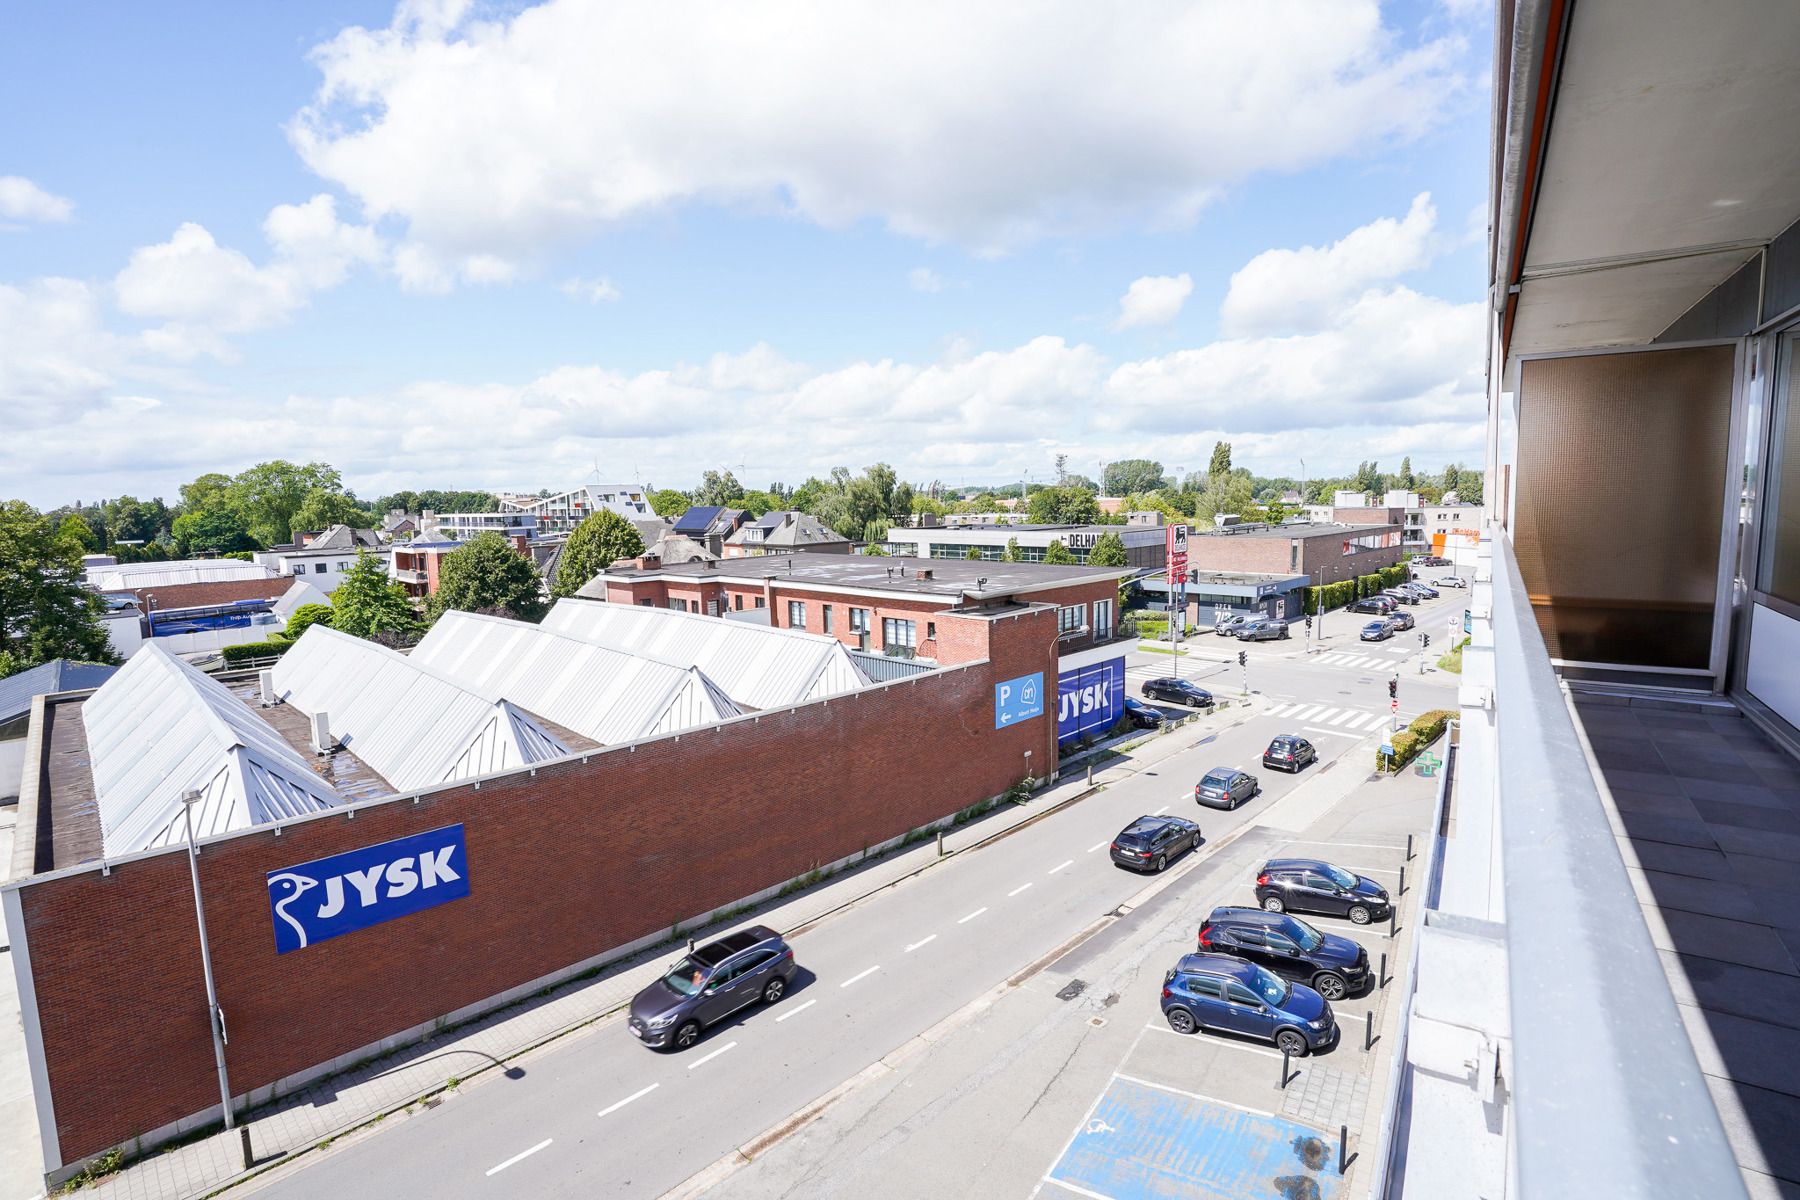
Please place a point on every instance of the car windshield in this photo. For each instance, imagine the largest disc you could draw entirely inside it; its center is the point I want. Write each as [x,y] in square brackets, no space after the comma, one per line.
[1309,938]
[685,977]
[1341,877]
[1271,989]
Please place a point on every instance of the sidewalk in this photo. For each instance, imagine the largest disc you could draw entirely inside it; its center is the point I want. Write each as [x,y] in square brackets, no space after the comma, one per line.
[337,1104]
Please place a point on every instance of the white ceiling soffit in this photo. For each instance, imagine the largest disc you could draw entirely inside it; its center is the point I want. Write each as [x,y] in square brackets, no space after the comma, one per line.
[1669,133]
[1626,306]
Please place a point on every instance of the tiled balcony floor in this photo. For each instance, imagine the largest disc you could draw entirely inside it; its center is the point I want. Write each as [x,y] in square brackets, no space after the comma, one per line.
[1707,811]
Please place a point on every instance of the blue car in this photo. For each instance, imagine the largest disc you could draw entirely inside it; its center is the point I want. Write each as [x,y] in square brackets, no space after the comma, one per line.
[1227,995]
[1141,714]
[1377,631]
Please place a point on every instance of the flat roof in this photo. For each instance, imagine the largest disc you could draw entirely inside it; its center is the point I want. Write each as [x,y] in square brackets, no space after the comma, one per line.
[951,577]
[1293,530]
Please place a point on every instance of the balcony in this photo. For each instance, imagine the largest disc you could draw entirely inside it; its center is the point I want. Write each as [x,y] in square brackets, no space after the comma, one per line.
[407,575]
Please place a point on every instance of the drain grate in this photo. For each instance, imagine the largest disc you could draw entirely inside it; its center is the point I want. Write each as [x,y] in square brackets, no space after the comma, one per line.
[1072,989]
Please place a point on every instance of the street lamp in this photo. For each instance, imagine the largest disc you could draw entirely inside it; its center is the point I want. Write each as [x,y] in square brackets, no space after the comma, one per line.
[215,1015]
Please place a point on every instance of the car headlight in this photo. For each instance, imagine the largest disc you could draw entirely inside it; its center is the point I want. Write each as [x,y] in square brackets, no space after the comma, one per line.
[1321,1023]
[662,1022]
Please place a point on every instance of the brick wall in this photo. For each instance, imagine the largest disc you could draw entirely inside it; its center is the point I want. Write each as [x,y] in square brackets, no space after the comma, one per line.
[692,822]
[1323,552]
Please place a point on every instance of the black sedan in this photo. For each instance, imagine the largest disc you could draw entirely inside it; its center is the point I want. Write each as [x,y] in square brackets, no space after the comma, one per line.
[1150,843]
[1315,886]
[1141,714]
[1226,787]
[1178,691]
[1330,965]
[1377,631]
[1289,753]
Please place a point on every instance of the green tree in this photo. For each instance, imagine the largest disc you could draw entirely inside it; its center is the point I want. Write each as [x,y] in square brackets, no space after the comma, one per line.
[973,553]
[669,503]
[217,529]
[1221,459]
[1058,554]
[271,493]
[1012,553]
[486,573]
[875,551]
[205,492]
[45,612]
[306,616]
[1064,506]
[1452,478]
[1406,480]
[1469,487]
[1108,551]
[758,503]
[79,534]
[367,602]
[1131,475]
[596,544]
[718,489]
[322,509]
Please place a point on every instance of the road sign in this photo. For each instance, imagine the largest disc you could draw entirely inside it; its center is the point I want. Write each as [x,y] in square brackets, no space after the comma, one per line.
[1018,699]
[1177,540]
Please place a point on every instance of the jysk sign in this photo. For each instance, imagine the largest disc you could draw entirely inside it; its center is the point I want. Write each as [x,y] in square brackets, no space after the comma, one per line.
[1018,699]
[319,900]
[1089,698]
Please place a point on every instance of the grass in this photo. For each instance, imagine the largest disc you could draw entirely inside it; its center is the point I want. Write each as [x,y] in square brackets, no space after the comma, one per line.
[95,1171]
[1452,661]
[1149,649]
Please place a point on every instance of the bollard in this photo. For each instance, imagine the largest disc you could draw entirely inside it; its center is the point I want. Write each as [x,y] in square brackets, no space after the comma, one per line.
[1393,920]
[1409,847]
[690,944]
[1382,975]
[244,1139]
[1402,890]
[1284,1069]
[1090,772]
[1343,1147]
[1368,1030]
[940,843]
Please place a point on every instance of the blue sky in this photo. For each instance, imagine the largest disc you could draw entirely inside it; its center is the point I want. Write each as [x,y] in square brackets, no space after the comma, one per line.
[499,246]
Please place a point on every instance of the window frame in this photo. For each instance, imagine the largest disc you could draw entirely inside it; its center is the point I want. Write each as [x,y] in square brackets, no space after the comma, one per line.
[796,614]
[902,625]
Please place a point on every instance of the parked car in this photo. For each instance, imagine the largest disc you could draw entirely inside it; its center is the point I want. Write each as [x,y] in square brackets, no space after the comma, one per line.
[1149,843]
[1289,752]
[1399,596]
[1452,581]
[1410,589]
[1141,714]
[709,984]
[1424,590]
[1330,965]
[1379,606]
[1227,625]
[1430,560]
[1178,691]
[1311,885]
[1226,787]
[1228,995]
[1378,631]
[1400,621]
[1263,629]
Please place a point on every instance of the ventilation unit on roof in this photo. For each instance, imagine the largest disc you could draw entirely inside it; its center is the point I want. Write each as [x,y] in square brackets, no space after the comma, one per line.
[322,742]
[265,685]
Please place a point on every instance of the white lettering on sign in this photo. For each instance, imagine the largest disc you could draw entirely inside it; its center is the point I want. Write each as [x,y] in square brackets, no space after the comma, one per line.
[402,877]
[1082,700]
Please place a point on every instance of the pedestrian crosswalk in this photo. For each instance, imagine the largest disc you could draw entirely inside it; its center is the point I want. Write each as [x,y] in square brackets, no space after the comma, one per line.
[1325,716]
[1361,662]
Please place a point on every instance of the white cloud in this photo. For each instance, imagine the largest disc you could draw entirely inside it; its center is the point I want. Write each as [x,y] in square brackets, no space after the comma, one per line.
[593,291]
[924,279]
[203,291]
[1153,300]
[23,200]
[1300,290]
[988,125]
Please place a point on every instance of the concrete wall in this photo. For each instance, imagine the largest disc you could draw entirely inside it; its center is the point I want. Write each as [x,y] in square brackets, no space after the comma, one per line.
[691,823]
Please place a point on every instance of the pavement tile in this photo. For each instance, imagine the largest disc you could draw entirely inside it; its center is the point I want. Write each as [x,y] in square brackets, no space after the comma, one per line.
[1679,831]
[1761,842]
[1687,893]
[1731,988]
[1683,860]
[1749,816]
[1654,779]
[1746,1051]
[1718,938]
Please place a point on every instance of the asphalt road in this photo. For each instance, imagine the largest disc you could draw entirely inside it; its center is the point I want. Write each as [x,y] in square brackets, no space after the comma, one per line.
[598,1114]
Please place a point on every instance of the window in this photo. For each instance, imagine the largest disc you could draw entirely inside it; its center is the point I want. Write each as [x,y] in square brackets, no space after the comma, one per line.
[298,568]
[1241,995]
[1103,619]
[827,618]
[895,632]
[1279,942]
[759,602]
[859,620]
[678,605]
[1204,987]
[693,606]
[648,603]
[343,566]
[1070,619]
[318,568]
[1780,574]
[931,631]
[737,602]
[796,614]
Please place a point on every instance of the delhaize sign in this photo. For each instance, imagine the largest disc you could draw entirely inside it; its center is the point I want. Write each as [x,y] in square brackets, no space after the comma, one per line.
[1177,545]
[346,892]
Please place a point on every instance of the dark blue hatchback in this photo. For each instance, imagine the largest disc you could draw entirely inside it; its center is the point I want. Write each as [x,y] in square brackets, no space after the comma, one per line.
[1227,995]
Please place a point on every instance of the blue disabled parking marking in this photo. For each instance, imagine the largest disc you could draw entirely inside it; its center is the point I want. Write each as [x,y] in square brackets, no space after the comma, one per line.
[1146,1142]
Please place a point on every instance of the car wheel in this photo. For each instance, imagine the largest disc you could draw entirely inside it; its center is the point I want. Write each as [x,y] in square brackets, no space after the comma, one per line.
[1358,915]
[1273,904]
[774,990]
[1162,860]
[687,1035]
[1290,1041]
[1329,986]
[1181,1020]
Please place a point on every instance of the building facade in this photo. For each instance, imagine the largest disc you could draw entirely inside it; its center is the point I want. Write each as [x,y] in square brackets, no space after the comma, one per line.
[324,558]
[562,512]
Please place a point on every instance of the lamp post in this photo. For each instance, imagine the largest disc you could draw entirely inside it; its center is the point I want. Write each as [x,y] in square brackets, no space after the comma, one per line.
[215,1016]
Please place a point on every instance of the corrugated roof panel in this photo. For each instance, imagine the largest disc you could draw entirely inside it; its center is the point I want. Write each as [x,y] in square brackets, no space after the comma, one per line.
[757,665]
[122,576]
[416,726]
[598,692]
[160,727]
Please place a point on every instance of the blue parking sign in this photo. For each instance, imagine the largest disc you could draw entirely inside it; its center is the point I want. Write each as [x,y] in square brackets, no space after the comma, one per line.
[1018,699]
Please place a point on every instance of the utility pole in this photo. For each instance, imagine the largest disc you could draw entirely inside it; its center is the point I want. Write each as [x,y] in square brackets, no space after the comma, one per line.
[214,1017]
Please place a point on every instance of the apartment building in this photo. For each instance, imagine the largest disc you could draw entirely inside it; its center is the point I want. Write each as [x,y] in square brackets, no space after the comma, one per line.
[561,513]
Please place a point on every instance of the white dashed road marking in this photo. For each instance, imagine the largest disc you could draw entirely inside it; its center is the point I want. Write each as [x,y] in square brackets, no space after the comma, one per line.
[703,1061]
[867,973]
[971,916]
[637,1095]
[1023,886]
[1055,869]
[520,1157]
[798,1009]
[1096,846]
[928,938]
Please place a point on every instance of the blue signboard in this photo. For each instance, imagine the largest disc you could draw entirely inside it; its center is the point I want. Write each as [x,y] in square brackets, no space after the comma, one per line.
[1018,699]
[321,899]
[1089,699]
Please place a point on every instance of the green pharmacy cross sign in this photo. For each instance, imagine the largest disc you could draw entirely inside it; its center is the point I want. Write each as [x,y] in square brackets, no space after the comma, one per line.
[1429,763]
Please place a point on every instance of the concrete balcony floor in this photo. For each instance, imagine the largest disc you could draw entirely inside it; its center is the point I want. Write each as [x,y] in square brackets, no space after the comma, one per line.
[1707,812]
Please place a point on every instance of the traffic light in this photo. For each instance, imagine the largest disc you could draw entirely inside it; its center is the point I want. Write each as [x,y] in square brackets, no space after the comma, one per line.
[1309,624]
[1393,689]
[1424,640]
[1243,658]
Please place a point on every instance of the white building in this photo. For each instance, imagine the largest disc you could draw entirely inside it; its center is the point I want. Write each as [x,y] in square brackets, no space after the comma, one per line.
[463,526]
[325,558]
[565,510]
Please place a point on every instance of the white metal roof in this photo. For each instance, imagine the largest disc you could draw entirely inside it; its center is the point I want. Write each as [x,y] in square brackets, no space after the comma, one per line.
[301,592]
[598,692]
[758,666]
[414,725]
[120,576]
[159,727]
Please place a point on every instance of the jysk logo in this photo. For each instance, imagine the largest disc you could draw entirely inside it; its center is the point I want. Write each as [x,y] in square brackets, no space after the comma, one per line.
[1090,698]
[319,900]
[1018,700]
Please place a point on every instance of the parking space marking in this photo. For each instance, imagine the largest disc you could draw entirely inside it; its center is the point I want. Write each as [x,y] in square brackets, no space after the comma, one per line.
[929,938]
[971,916]
[1098,846]
[1358,845]
[796,1011]
[1230,1043]
[1055,869]
[1159,812]
[1079,1191]
[1163,1087]
[519,1157]
[1017,890]
[699,1062]
[867,973]
[637,1095]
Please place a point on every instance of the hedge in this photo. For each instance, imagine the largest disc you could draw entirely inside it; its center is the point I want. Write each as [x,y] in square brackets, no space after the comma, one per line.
[1425,729]
[272,648]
